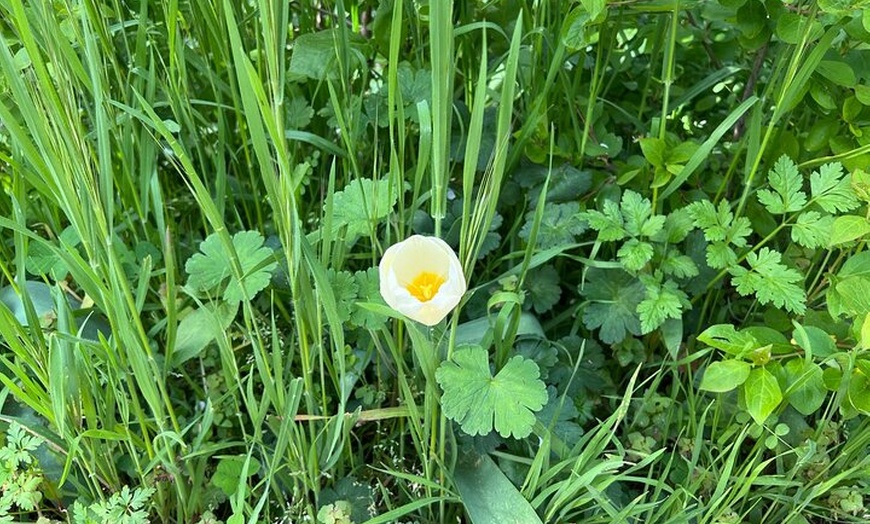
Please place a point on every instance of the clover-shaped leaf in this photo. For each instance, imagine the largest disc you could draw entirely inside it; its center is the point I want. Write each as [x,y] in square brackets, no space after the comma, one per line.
[209,269]
[477,400]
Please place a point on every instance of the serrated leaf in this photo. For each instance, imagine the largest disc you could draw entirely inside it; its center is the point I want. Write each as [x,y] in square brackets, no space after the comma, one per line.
[634,254]
[679,265]
[762,394]
[480,402]
[812,230]
[720,255]
[543,287]
[614,296]
[770,281]
[314,54]
[608,223]
[230,470]
[638,216]
[560,225]
[345,288]
[721,230]
[368,286]
[212,267]
[660,304]
[676,228]
[726,375]
[787,195]
[831,190]
[361,205]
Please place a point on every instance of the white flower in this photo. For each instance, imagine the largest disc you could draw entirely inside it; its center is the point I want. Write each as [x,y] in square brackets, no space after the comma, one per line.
[421,277]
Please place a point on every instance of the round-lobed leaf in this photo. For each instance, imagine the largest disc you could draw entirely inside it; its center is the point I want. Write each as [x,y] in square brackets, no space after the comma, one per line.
[478,401]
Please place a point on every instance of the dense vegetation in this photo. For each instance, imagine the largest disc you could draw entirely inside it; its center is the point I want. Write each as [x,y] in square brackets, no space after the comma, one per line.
[660,208]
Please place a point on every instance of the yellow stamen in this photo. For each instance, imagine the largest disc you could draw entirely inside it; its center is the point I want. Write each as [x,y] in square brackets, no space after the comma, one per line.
[425,286]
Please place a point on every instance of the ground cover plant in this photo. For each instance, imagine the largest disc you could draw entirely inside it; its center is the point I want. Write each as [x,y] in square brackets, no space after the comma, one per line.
[636,288]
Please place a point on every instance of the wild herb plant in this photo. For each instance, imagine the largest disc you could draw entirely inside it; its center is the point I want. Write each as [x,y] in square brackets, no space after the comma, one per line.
[660,209]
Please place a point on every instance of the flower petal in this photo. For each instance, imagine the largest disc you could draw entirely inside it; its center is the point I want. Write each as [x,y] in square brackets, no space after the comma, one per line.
[405,261]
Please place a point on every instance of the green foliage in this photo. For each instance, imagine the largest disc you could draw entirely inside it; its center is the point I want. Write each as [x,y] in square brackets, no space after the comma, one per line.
[770,281]
[613,298]
[212,270]
[20,476]
[480,402]
[661,303]
[544,289]
[660,209]
[560,225]
[722,230]
[361,205]
[725,375]
[762,394]
[787,195]
[123,507]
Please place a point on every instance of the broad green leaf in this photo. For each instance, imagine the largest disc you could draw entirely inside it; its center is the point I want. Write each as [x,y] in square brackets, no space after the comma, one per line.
[847,228]
[613,298]
[361,205]
[857,265]
[211,268]
[574,28]
[543,287]
[560,225]
[39,294]
[315,55]
[861,178]
[42,260]
[854,296]
[762,394]
[766,336]
[859,391]
[726,375]
[230,470]
[837,72]
[806,389]
[199,328]
[345,289]
[654,150]
[478,401]
[368,286]
[814,340]
[487,494]
[728,339]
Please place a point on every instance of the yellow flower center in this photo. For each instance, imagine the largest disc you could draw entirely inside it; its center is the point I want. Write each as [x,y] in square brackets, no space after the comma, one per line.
[425,286]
